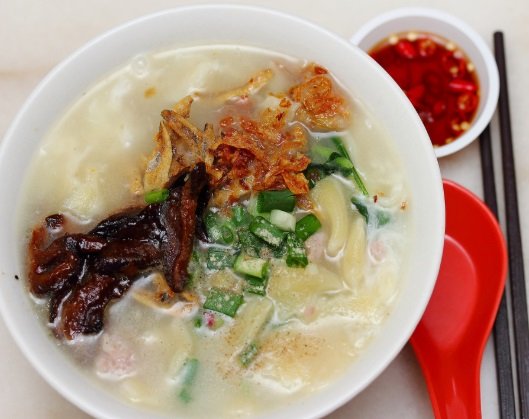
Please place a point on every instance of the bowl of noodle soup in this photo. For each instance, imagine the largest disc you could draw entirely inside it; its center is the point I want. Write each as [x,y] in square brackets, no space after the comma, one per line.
[317,244]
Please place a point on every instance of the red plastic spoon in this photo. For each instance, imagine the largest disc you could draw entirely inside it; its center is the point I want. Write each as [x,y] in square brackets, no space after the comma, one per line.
[451,336]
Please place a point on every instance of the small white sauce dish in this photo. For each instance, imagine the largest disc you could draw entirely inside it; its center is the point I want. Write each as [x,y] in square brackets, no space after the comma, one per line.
[460,33]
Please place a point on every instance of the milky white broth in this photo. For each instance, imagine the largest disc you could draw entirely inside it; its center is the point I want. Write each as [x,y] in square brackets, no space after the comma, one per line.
[317,320]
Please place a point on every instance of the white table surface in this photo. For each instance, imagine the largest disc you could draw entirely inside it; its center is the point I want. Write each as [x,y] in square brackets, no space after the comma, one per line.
[36,35]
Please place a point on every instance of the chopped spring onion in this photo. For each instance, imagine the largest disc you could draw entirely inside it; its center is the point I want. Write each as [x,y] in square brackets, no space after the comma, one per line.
[284,220]
[269,200]
[156,196]
[250,243]
[255,267]
[266,231]
[255,247]
[241,216]
[220,258]
[219,229]
[189,371]
[255,285]
[248,354]
[224,302]
[296,253]
[307,226]
[227,234]
[212,223]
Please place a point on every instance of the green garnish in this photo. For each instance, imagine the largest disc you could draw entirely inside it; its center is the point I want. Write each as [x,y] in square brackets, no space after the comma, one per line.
[266,231]
[255,285]
[321,153]
[156,196]
[382,217]
[198,322]
[220,258]
[307,226]
[269,200]
[296,253]
[219,229]
[255,267]
[241,217]
[248,354]
[338,143]
[335,161]
[224,302]
[358,180]
[282,219]
[189,372]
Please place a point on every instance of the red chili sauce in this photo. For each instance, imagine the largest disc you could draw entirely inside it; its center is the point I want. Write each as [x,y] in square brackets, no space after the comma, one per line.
[437,77]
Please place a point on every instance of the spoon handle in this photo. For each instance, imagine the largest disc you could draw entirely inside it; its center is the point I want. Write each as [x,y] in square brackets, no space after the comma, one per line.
[454,386]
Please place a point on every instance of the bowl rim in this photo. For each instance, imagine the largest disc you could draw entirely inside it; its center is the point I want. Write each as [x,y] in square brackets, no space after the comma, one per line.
[478,124]
[83,401]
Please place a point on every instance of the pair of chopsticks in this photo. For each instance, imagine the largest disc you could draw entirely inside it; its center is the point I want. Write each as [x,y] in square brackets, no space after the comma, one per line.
[516,281]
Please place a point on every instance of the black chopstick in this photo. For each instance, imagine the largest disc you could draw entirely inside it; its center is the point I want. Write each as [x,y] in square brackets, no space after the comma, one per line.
[514,238]
[502,341]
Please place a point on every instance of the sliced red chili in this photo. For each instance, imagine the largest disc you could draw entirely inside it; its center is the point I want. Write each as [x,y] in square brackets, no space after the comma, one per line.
[459,86]
[406,49]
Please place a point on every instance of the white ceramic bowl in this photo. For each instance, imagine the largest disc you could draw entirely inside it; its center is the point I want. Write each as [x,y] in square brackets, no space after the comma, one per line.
[455,30]
[222,24]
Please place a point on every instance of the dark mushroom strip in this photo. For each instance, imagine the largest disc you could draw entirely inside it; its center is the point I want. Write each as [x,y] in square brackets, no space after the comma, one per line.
[56,300]
[180,222]
[135,223]
[82,273]
[126,256]
[112,226]
[53,267]
[83,310]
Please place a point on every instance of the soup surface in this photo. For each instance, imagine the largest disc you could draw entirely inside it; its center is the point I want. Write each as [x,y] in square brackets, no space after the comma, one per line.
[301,252]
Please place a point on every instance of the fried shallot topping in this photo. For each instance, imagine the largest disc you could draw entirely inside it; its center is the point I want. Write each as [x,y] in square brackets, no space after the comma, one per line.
[262,154]
[82,273]
[253,151]
[322,108]
[248,155]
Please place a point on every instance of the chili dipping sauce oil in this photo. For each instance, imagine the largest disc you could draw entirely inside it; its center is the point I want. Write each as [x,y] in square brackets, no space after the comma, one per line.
[437,77]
